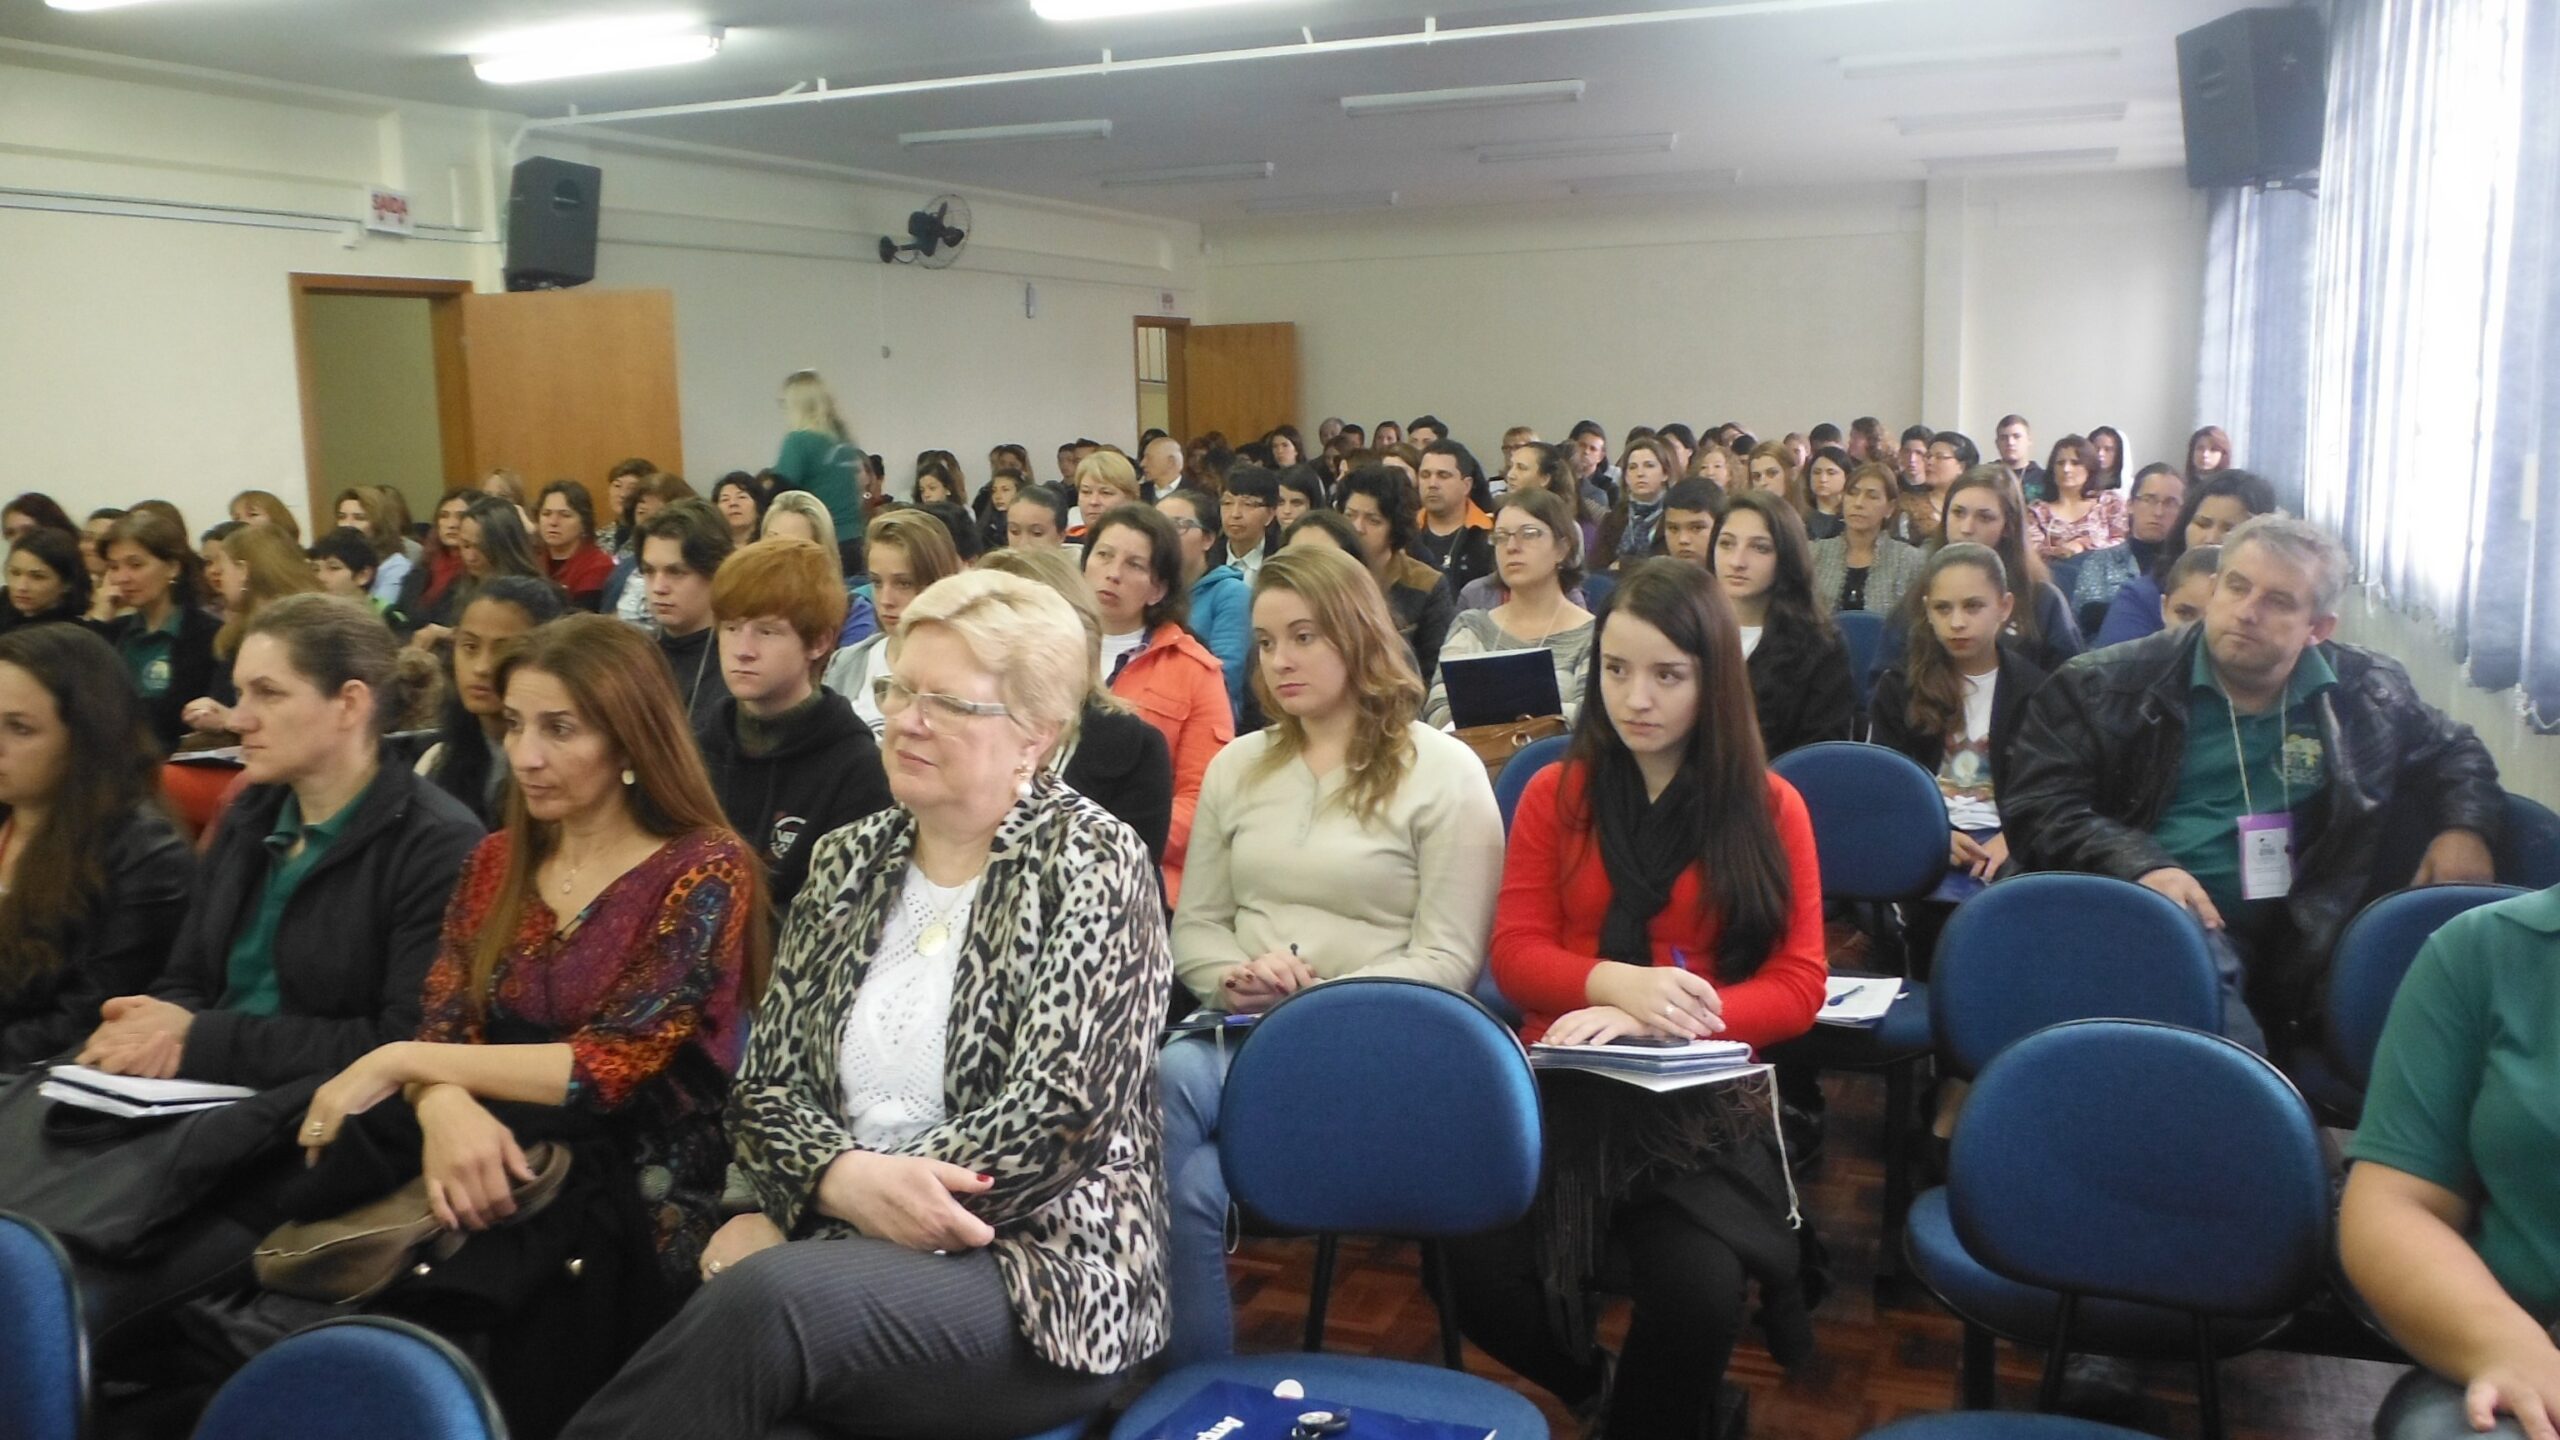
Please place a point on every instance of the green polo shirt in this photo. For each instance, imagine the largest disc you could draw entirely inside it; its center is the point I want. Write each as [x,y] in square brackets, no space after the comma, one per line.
[2466,1086]
[149,653]
[250,972]
[2279,754]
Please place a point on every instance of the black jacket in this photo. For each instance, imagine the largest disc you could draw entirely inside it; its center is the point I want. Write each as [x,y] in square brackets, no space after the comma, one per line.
[2096,763]
[1121,763]
[1423,602]
[116,950]
[193,672]
[693,662]
[823,774]
[352,949]
[1470,556]
[1890,725]
[1801,687]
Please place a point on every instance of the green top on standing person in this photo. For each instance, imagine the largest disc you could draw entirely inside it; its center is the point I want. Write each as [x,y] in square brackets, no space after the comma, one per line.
[819,455]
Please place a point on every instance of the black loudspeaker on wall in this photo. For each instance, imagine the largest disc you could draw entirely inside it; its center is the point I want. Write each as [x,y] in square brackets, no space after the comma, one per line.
[2254,87]
[551,224]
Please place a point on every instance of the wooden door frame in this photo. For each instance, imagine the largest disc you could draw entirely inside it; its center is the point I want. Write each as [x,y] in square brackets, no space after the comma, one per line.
[1177,383]
[444,329]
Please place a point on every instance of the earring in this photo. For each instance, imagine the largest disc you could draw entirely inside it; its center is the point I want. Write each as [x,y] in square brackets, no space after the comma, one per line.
[1022,783]
[628,778]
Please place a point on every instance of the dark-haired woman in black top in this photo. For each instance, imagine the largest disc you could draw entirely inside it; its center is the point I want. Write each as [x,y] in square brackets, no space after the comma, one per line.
[93,876]
[47,579]
[468,760]
[1799,667]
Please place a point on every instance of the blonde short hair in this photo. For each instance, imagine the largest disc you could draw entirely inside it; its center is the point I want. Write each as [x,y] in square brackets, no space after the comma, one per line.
[1021,632]
[1109,467]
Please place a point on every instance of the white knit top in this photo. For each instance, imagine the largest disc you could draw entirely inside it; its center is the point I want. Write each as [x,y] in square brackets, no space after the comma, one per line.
[894,1037]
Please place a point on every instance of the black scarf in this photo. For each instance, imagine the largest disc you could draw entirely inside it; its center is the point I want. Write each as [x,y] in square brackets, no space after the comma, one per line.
[1645,845]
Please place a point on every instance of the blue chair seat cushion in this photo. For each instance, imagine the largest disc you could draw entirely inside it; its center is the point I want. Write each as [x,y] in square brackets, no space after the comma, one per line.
[1419,1392]
[1999,1425]
[1903,1034]
[2025,1314]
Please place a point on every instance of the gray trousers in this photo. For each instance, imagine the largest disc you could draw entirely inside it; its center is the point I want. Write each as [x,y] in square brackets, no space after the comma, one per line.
[2422,1407]
[854,1337]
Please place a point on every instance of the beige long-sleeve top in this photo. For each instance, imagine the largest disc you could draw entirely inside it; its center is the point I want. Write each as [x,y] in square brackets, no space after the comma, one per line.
[1277,860]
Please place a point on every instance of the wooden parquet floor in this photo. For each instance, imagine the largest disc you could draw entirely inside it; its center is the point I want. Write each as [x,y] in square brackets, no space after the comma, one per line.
[1876,1361]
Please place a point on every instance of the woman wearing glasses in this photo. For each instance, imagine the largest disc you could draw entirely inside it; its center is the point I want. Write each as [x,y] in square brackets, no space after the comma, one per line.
[946,1105]
[1537,550]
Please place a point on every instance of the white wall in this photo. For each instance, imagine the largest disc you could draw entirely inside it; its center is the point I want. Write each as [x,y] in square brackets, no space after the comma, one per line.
[2072,299]
[149,217]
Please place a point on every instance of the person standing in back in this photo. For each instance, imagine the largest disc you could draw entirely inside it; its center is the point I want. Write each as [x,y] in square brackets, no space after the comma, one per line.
[819,456]
[788,758]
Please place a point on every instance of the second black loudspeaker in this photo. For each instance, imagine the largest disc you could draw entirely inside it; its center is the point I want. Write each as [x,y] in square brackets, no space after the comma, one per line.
[551,224]
[2253,86]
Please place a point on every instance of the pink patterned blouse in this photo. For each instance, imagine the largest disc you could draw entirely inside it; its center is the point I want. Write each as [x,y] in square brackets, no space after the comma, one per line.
[2103,526]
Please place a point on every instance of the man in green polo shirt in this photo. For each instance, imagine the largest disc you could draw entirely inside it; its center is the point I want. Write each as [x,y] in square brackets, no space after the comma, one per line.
[2248,767]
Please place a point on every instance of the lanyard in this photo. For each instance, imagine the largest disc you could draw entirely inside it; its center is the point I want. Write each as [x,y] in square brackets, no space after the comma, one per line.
[2284,718]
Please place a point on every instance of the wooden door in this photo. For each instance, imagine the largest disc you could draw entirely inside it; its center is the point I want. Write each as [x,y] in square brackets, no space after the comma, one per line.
[1242,379]
[568,382]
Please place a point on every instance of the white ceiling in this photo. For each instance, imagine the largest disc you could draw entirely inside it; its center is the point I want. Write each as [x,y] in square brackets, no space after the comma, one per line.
[1762,94]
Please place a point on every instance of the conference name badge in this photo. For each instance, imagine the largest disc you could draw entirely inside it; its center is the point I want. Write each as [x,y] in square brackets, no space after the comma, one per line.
[2266,856]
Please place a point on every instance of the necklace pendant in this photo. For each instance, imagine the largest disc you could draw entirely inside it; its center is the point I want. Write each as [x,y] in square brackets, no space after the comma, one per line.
[933,940]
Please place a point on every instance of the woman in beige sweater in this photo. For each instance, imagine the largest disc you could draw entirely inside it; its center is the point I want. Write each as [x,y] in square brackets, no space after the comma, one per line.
[1346,839]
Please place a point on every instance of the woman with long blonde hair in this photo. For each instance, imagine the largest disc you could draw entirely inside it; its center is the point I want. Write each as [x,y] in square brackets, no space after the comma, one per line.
[819,456]
[1348,838]
[257,567]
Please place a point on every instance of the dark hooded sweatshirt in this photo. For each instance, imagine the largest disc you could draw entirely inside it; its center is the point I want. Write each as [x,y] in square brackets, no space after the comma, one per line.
[785,781]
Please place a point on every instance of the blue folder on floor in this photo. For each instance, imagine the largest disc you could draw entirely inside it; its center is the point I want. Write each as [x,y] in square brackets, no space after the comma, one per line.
[1229,1411]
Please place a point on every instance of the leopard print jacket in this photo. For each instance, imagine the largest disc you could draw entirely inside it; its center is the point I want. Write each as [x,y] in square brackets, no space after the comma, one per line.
[1049,1081]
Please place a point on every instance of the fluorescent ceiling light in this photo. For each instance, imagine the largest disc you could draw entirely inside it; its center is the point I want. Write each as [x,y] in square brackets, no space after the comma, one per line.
[1071,10]
[1191,175]
[2020,159]
[595,49]
[1655,144]
[1465,97]
[1322,204]
[2104,112]
[1956,63]
[91,4]
[1657,182]
[992,134]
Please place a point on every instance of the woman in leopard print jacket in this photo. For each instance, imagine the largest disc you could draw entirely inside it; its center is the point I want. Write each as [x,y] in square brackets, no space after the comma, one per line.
[947,1107]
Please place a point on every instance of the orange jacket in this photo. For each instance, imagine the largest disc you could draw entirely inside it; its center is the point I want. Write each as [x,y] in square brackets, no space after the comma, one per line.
[1181,689]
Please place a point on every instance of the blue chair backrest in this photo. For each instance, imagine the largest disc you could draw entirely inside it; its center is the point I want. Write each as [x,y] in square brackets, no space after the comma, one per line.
[44,1353]
[358,1378]
[2374,954]
[1879,823]
[1381,1106]
[2528,853]
[1523,767]
[1863,632]
[2143,1162]
[2037,950]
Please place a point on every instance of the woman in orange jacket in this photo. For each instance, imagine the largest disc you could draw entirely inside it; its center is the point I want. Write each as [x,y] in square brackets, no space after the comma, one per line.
[1133,560]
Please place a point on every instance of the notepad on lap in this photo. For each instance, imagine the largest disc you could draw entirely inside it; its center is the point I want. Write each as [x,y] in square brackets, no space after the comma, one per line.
[1651,1065]
[1501,687]
[133,1096]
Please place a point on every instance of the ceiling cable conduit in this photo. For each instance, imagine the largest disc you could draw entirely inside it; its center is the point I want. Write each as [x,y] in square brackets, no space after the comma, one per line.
[1431,33]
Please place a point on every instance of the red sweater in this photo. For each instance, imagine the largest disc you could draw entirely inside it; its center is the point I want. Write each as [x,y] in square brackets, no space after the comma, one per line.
[1555,892]
[582,575]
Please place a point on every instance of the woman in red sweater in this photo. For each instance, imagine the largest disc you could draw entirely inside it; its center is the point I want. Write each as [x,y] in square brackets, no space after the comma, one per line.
[1659,883]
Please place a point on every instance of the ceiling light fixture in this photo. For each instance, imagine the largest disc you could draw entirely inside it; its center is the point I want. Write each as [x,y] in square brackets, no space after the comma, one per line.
[1073,10]
[1655,182]
[1464,97]
[2102,113]
[1322,204]
[996,134]
[597,49]
[2021,160]
[1982,57]
[1191,175]
[91,4]
[1655,144]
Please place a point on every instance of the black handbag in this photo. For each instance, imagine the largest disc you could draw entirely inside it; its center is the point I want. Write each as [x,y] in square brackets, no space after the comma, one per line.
[113,1189]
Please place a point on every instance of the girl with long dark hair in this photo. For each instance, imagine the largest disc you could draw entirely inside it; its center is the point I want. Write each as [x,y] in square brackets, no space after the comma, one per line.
[1660,883]
[1632,529]
[47,580]
[1801,687]
[93,876]
[1985,507]
[468,759]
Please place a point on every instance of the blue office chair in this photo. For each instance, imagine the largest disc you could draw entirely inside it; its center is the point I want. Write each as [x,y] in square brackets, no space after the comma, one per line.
[1880,832]
[2142,1164]
[1983,1425]
[2373,955]
[44,1351]
[362,1377]
[2528,850]
[2032,951]
[1375,1105]
[1522,768]
[1863,632]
